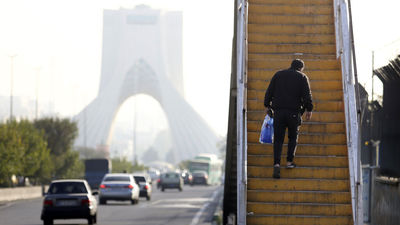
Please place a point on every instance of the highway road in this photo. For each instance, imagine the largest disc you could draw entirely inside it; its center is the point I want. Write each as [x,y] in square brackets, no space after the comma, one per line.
[193,206]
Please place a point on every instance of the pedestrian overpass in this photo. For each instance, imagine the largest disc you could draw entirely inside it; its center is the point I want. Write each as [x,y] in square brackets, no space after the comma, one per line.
[325,188]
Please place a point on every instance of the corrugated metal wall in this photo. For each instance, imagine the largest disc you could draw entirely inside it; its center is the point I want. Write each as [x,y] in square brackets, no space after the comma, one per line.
[390,144]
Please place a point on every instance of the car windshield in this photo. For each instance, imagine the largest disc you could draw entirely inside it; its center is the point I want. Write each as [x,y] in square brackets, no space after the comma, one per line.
[140,179]
[199,174]
[171,175]
[117,178]
[67,188]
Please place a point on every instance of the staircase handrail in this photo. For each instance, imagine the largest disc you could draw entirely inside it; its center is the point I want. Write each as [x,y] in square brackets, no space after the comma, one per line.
[345,50]
[241,69]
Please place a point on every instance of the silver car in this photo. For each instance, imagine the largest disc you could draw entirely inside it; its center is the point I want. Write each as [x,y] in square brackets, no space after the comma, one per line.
[120,187]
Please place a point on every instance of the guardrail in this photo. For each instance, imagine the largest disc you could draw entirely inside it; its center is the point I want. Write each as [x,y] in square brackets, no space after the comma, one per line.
[18,193]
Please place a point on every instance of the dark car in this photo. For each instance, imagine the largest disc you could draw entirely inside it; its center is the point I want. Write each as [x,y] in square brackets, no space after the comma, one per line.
[69,199]
[187,177]
[200,177]
[171,180]
[145,185]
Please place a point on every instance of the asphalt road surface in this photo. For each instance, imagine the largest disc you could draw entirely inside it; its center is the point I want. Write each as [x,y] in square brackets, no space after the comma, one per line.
[193,206]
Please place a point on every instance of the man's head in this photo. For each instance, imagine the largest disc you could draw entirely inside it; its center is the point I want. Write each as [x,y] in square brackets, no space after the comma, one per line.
[297,64]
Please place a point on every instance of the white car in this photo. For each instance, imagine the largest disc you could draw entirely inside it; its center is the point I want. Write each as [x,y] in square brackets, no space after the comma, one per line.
[69,199]
[119,187]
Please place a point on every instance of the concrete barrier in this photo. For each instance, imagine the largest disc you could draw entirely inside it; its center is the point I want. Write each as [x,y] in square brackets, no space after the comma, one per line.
[17,193]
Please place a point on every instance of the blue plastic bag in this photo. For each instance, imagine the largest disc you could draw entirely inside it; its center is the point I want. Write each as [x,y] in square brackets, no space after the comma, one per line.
[267,130]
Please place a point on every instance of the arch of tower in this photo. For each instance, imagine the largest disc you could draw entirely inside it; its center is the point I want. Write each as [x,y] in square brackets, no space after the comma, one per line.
[142,54]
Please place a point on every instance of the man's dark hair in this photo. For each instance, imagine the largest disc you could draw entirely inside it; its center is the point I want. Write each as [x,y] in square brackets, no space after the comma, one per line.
[297,64]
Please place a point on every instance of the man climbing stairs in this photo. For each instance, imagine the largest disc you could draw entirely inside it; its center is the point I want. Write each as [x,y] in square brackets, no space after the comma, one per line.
[317,191]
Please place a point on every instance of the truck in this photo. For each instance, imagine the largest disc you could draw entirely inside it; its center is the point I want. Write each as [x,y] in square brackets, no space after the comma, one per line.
[95,169]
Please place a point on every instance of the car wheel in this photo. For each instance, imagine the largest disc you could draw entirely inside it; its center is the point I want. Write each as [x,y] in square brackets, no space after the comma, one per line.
[90,220]
[47,222]
[103,201]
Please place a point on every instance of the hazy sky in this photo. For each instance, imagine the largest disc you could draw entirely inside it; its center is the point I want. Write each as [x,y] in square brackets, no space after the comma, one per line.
[375,29]
[63,38]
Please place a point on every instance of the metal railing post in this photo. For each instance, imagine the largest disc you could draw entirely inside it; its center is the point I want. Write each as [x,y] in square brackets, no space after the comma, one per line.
[345,47]
[241,112]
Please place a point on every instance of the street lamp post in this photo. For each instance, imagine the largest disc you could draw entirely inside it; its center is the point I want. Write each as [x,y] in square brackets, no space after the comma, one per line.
[11,85]
[37,93]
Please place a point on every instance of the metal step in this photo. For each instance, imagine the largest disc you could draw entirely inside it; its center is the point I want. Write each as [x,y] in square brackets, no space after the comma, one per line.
[299,196]
[298,219]
[302,150]
[323,106]
[285,184]
[301,161]
[300,209]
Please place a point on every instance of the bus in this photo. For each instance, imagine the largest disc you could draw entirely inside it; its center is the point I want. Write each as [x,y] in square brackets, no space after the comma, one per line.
[210,164]
[95,169]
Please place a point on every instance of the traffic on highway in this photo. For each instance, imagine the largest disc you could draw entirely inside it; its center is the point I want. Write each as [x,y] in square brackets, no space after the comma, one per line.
[193,205]
[105,195]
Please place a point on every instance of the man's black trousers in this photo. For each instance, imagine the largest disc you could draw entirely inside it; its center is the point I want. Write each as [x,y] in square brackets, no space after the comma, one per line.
[285,119]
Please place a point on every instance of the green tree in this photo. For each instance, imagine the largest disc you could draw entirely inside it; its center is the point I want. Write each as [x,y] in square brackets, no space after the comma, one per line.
[184,164]
[23,152]
[36,155]
[11,152]
[44,173]
[121,165]
[60,135]
[139,168]
[73,166]
[35,148]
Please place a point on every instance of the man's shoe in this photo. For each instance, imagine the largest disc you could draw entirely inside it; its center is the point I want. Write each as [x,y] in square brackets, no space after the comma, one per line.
[291,165]
[277,172]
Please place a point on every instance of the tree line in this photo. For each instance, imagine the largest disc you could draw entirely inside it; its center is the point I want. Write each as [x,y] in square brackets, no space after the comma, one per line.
[40,150]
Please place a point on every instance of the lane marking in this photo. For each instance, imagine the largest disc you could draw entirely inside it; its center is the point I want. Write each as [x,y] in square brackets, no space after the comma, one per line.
[177,203]
[187,200]
[180,206]
[147,204]
[196,218]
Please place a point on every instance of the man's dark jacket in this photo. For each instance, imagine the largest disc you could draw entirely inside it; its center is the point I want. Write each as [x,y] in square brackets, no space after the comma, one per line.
[289,89]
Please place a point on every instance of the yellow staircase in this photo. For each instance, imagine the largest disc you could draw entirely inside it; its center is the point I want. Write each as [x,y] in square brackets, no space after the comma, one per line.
[318,190]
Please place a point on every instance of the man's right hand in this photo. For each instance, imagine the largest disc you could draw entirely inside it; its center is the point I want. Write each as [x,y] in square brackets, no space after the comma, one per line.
[308,115]
[270,112]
